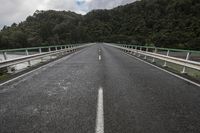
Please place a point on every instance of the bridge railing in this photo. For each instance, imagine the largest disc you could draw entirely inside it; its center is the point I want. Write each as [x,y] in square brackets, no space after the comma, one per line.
[35,55]
[184,58]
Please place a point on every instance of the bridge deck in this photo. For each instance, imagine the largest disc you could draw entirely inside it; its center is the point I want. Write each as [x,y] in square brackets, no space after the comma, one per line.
[134,97]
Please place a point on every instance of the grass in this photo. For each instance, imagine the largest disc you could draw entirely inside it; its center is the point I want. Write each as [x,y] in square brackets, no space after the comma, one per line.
[3,75]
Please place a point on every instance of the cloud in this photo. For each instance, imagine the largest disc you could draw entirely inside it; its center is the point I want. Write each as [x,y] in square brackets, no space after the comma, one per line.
[107,4]
[17,10]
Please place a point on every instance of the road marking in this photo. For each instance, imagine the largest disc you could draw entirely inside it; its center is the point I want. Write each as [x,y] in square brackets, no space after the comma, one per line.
[187,80]
[99,57]
[99,54]
[47,65]
[100,113]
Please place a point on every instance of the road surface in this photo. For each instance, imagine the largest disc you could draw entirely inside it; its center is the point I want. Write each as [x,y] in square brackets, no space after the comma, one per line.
[99,90]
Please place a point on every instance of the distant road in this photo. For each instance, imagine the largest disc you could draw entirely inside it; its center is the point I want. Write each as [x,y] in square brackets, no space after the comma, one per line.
[99,90]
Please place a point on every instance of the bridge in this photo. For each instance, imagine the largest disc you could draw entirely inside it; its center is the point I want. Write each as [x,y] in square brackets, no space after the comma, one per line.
[100,87]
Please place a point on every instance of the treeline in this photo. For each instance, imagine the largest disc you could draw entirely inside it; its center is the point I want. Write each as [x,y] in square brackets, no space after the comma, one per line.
[162,23]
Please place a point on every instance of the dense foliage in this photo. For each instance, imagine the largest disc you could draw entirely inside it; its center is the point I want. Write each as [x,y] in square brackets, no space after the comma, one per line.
[163,23]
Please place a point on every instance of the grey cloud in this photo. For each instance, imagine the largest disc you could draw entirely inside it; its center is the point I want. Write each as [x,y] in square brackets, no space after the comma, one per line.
[107,4]
[127,1]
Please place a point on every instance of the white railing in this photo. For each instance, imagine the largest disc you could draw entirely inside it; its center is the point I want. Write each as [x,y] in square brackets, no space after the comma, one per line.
[43,52]
[141,50]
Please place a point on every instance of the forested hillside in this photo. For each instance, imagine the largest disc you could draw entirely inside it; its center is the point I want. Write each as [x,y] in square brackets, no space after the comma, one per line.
[162,23]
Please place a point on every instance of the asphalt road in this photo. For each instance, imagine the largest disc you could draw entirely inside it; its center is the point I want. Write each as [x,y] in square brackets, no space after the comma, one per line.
[114,92]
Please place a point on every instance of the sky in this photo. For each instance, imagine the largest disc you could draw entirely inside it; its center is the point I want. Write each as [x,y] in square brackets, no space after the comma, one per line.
[17,10]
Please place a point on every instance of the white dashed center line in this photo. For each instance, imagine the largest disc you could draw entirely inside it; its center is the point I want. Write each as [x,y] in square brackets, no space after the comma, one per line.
[99,57]
[99,54]
[100,113]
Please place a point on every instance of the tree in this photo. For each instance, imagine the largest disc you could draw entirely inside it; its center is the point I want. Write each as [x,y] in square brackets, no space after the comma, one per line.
[165,23]
[18,39]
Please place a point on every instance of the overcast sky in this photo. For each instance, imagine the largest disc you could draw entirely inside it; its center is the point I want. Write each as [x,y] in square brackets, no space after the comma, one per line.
[17,10]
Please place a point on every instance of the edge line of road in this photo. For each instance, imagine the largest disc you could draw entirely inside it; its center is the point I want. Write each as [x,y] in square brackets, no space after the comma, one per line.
[187,80]
[43,66]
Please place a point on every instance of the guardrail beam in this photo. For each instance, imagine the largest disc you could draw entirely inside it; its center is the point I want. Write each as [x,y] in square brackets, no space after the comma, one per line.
[42,55]
[186,63]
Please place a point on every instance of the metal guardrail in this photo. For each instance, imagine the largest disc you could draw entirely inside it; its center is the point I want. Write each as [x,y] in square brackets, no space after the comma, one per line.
[42,53]
[152,52]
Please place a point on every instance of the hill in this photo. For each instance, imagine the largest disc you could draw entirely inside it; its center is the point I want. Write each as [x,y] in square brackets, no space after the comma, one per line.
[162,23]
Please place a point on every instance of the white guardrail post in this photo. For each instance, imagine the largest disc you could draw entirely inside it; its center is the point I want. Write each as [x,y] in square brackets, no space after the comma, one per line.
[29,62]
[135,51]
[165,63]
[5,55]
[153,59]
[9,69]
[140,49]
[187,58]
[145,57]
[40,50]
[132,50]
